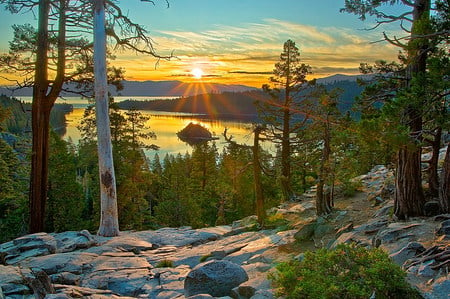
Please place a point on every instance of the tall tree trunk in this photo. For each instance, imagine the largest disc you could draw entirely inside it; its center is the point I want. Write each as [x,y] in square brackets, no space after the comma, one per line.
[286,187]
[260,210]
[109,223]
[444,194]
[409,197]
[323,199]
[40,116]
[433,178]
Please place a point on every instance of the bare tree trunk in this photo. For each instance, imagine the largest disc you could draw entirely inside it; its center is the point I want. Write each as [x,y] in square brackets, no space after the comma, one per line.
[109,223]
[260,210]
[40,117]
[444,194]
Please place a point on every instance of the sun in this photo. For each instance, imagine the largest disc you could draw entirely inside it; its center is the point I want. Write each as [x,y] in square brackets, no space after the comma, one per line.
[197,73]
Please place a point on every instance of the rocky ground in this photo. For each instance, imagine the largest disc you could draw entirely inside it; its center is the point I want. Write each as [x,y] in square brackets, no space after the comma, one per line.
[225,261]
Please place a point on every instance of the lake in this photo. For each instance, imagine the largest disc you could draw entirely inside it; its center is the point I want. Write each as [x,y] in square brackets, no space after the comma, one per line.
[167,124]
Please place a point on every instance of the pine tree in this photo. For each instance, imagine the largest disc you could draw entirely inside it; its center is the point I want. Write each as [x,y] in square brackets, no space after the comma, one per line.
[289,85]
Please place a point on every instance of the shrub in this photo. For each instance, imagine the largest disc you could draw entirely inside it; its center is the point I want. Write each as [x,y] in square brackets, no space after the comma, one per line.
[348,271]
[165,264]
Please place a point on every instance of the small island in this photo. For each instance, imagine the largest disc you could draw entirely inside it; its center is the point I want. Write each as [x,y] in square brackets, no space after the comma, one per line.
[195,133]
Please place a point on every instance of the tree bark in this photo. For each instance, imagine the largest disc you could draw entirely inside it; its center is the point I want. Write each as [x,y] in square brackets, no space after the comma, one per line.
[40,118]
[260,209]
[409,197]
[323,199]
[109,223]
[433,178]
[444,194]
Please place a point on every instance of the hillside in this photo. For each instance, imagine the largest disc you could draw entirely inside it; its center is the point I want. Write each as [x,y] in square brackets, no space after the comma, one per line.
[234,105]
[163,263]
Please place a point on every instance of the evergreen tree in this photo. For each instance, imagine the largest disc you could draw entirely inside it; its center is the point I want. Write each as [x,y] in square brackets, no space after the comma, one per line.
[405,95]
[65,203]
[289,85]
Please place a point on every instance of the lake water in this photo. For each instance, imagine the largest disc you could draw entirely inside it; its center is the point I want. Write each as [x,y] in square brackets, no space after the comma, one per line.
[165,125]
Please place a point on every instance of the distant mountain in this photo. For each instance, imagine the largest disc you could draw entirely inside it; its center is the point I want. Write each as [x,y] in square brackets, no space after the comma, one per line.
[150,88]
[340,78]
[176,88]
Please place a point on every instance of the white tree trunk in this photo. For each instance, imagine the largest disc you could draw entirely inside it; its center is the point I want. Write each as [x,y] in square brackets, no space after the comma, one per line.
[109,223]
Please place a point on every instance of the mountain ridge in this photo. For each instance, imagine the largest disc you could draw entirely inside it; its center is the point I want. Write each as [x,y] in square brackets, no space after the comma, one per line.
[173,87]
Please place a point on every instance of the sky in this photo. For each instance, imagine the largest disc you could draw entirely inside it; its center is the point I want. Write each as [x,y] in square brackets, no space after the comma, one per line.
[239,41]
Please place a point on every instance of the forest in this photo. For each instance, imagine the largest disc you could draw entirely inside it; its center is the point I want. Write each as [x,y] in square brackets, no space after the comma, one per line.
[322,137]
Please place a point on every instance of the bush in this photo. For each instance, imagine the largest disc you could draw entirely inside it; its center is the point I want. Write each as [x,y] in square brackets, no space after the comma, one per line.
[348,271]
[165,264]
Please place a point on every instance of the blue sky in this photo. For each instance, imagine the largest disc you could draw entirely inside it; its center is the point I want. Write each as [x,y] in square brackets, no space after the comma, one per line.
[239,41]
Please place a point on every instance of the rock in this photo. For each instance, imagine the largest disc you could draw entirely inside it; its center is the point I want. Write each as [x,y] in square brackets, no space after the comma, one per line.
[243,291]
[178,237]
[395,232]
[167,295]
[345,229]
[73,262]
[12,282]
[431,208]
[127,282]
[322,229]
[425,270]
[200,296]
[66,278]
[129,242]
[444,228]
[387,210]
[28,246]
[407,252]
[57,296]
[441,217]
[216,278]
[306,232]
[440,289]
[72,240]
[263,294]
[249,223]
[373,226]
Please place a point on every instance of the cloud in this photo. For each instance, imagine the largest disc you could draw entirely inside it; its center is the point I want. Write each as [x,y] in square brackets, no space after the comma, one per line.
[250,73]
[246,52]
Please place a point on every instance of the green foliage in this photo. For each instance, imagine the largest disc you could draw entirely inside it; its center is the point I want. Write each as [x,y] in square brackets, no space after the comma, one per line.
[65,204]
[349,271]
[13,199]
[203,258]
[165,264]
[133,176]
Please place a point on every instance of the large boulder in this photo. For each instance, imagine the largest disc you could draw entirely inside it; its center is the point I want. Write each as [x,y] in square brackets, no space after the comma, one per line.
[216,278]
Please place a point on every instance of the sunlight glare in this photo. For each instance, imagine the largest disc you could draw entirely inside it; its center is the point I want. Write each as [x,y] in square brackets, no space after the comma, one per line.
[197,73]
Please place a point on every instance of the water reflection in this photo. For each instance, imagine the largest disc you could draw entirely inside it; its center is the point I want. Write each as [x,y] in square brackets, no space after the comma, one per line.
[166,125]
